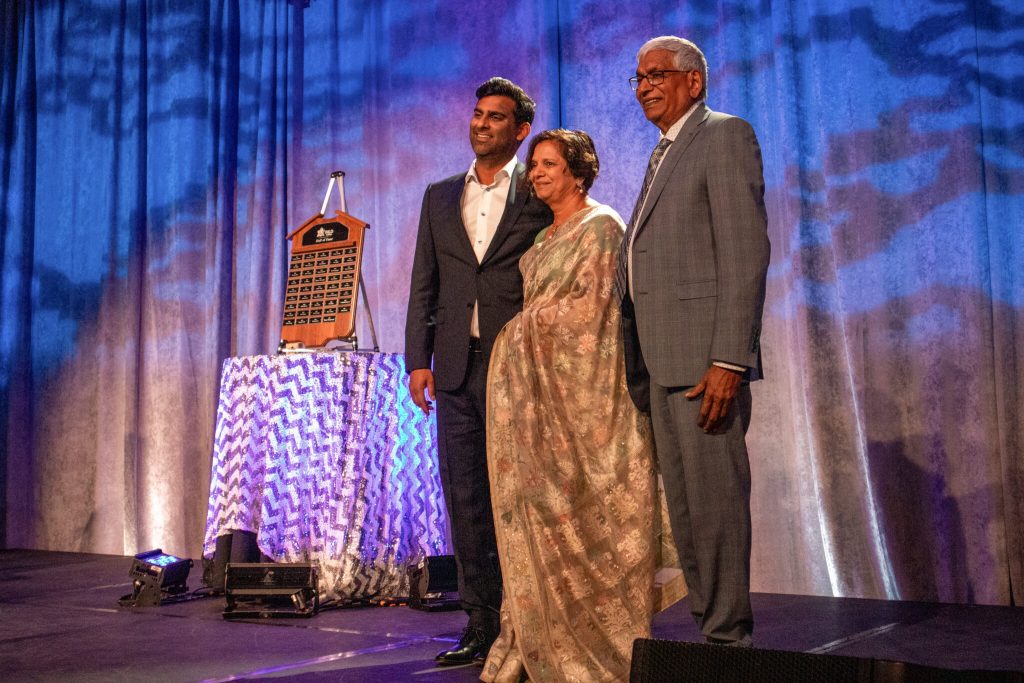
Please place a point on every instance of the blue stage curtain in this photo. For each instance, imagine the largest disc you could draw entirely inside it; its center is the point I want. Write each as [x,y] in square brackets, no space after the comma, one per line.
[155,154]
[145,193]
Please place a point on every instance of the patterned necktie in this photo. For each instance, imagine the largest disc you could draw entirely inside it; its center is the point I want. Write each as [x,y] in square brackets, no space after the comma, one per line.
[621,268]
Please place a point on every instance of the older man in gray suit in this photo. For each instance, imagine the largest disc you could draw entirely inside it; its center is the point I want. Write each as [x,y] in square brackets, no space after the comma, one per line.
[692,279]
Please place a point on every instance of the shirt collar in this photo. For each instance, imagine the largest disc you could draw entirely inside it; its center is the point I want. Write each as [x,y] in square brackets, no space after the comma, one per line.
[507,169]
[673,132]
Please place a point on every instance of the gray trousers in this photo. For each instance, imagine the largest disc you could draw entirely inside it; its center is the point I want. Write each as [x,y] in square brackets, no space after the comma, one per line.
[707,486]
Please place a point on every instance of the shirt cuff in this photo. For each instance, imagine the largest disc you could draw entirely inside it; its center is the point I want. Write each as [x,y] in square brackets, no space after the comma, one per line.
[729,366]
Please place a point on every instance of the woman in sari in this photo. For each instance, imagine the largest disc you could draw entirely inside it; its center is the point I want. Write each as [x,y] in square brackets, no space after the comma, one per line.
[570,457]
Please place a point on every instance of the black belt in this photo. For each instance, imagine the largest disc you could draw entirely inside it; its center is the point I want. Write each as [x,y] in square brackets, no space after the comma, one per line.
[474,345]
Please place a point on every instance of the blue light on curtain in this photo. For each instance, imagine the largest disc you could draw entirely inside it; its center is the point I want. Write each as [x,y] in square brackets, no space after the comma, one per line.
[144,191]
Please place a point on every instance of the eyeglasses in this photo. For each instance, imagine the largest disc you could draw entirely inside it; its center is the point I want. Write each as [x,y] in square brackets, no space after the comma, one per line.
[654,77]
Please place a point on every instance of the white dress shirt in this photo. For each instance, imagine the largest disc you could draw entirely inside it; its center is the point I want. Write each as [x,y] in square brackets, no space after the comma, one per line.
[482,209]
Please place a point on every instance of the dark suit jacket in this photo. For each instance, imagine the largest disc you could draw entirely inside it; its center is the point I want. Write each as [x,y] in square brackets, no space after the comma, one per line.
[700,257]
[446,278]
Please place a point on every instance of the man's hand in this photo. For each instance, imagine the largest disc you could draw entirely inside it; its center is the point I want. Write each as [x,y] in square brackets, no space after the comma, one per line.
[420,381]
[719,386]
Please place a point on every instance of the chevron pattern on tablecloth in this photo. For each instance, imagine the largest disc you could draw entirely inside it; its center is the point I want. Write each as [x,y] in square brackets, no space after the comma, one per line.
[325,457]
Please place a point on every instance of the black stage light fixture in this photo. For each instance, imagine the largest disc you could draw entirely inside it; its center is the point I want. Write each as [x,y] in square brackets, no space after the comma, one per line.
[264,590]
[156,575]
[434,584]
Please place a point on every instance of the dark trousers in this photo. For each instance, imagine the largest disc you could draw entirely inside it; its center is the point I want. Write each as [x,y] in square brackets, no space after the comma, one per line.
[707,487]
[462,456]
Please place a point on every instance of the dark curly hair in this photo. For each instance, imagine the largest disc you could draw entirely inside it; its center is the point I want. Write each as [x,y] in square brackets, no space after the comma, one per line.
[578,150]
[525,107]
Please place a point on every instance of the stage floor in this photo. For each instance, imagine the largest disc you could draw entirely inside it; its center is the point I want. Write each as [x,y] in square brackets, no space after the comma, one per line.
[59,620]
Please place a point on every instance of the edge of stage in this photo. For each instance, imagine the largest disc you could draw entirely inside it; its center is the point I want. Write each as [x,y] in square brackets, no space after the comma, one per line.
[61,620]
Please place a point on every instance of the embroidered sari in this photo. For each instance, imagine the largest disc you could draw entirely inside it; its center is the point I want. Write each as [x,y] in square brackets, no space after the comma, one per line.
[573,477]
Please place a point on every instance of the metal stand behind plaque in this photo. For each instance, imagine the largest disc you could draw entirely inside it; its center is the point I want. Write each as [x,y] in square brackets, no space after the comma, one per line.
[324,274]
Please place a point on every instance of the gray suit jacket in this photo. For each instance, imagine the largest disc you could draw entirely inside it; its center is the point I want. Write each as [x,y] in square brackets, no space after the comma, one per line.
[700,257]
[446,278]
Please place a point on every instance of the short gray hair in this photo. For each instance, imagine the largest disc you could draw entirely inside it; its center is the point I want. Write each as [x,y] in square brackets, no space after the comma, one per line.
[686,55]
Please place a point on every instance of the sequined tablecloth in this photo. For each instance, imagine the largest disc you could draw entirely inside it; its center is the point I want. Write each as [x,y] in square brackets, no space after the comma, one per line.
[325,457]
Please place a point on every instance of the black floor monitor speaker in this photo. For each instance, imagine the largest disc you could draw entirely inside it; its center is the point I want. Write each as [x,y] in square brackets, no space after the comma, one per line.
[235,546]
[667,661]
[434,584]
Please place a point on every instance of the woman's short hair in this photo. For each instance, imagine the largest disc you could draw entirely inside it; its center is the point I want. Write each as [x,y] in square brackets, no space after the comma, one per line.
[578,150]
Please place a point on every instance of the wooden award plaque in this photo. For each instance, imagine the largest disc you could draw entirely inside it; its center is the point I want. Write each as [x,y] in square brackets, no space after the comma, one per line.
[323,281]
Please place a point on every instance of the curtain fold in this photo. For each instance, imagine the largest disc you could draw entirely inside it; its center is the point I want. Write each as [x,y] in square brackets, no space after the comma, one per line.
[155,155]
[153,234]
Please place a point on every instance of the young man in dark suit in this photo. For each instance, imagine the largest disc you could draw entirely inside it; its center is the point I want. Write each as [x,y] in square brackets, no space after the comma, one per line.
[466,285]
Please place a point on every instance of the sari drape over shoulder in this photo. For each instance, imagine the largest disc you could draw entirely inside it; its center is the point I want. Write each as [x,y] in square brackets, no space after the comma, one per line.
[571,462]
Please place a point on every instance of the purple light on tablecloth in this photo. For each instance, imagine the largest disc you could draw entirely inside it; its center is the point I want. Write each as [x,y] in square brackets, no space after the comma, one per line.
[325,458]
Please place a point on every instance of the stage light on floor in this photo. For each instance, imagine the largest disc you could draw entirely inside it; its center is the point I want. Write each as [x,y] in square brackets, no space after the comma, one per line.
[156,574]
[265,590]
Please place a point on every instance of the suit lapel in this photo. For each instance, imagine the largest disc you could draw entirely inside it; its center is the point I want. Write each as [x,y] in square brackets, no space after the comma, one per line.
[514,204]
[452,203]
[693,126]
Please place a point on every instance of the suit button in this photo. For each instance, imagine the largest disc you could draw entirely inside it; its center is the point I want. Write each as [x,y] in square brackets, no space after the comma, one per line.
[479,270]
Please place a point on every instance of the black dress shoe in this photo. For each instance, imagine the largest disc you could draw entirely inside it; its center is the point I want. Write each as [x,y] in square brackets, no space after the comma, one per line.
[473,643]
